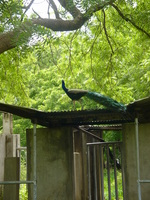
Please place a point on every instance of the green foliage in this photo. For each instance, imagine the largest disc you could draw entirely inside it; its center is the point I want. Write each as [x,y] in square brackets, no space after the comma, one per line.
[112,181]
[13,81]
[19,127]
[11,14]
[102,56]
[23,193]
[112,136]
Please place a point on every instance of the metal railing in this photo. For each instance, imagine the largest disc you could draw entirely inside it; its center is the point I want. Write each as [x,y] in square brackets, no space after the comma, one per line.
[102,162]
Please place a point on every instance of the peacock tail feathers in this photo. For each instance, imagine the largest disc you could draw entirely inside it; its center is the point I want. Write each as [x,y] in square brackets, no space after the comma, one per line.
[106,101]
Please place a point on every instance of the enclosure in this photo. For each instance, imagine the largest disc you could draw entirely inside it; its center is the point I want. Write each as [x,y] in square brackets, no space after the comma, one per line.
[70,159]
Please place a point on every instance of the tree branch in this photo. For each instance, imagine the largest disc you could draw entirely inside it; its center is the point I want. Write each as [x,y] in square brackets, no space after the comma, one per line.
[97,7]
[10,39]
[129,20]
[105,30]
[59,24]
[37,14]
[54,7]
[70,7]
[28,6]
[7,41]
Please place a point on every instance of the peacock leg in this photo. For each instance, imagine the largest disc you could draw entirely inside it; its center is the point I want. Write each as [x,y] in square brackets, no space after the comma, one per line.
[73,105]
[81,104]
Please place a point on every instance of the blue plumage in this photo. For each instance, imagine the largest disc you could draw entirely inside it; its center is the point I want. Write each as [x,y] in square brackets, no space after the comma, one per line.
[76,94]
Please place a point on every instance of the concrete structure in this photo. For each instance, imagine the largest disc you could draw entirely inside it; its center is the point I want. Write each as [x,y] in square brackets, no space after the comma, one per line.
[130,160]
[54,163]
[7,123]
[7,131]
[11,173]
[9,161]
[54,158]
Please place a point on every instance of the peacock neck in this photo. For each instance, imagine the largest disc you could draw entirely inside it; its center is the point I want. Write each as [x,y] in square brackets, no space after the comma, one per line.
[63,86]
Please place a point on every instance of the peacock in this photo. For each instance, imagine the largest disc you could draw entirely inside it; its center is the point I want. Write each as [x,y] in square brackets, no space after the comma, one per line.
[77,94]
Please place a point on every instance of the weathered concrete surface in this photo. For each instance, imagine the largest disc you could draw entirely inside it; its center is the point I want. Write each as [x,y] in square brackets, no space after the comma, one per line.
[2,158]
[54,163]
[129,156]
[12,142]
[78,185]
[11,192]
[7,123]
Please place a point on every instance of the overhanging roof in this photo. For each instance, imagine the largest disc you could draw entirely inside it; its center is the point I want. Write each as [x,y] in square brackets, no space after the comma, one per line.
[141,105]
[140,109]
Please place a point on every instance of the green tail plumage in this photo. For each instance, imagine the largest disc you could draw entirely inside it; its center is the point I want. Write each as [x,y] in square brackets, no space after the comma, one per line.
[105,101]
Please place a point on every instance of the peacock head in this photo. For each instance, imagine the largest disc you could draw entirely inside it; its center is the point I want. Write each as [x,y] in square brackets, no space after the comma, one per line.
[63,83]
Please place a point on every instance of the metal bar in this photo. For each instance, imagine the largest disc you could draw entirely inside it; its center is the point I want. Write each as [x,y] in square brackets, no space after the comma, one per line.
[122,170]
[144,181]
[89,133]
[106,127]
[95,174]
[98,172]
[108,173]
[101,171]
[115,172]
[101,146]
[34,163]
[15,182]
[137,158]
[89,172]
[84,166]
[21,148]
[101,143]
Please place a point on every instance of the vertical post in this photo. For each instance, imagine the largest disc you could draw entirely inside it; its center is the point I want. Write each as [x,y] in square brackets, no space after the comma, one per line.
[34,163]
[95,173]
[89,172]
[137,158]
[101,171]
[115,172]
[122,170]
[108,172]
[85,166]
[7,123]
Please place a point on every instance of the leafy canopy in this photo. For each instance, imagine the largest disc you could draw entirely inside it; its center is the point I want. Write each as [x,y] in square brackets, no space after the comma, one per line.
[101,54]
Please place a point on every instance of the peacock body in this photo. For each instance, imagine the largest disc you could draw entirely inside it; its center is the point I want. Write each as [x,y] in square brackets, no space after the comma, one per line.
[77,94]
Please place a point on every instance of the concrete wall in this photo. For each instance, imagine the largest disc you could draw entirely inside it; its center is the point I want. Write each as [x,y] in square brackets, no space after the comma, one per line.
[129,156]
[54,163]
[11,174]
[2,159]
